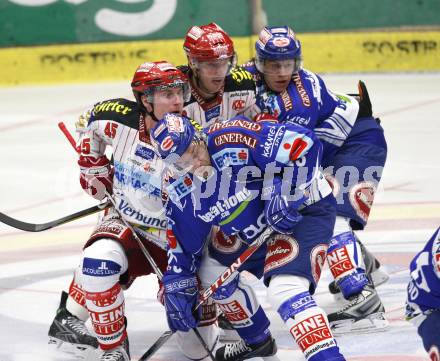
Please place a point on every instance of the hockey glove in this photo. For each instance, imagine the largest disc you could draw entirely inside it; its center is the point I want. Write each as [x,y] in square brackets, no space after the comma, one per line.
[96,176]
[365,107]
[180,297]
[281,214]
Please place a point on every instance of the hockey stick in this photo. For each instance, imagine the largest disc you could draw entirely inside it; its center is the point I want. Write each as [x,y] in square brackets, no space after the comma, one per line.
[69,137]
[157,345]
[226,274]
[38,227]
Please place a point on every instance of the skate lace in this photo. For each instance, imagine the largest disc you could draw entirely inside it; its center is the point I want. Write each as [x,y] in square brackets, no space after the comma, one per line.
[236,348]
[114,355]
[77,325]
[353,302]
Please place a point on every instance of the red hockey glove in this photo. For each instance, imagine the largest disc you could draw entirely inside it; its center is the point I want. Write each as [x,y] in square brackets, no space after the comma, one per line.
[96,176]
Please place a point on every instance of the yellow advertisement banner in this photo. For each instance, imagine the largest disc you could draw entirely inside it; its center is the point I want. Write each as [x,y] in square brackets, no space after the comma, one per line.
[322,52]
[372,51]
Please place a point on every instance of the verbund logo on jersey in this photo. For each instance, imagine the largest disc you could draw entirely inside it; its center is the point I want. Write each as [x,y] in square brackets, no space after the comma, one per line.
[312,334]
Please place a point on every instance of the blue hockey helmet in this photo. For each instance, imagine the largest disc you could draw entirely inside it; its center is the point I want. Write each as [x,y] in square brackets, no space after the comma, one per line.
[277,43]
[173,134]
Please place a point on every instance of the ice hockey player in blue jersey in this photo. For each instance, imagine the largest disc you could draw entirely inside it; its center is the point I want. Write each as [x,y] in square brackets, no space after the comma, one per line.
[423,302]
[240,177]
[353,158]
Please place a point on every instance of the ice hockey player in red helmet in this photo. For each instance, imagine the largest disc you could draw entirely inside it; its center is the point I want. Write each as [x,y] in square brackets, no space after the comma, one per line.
[219,89]
[111,258]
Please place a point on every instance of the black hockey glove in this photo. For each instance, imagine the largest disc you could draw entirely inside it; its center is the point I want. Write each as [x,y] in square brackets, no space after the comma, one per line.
[365,107]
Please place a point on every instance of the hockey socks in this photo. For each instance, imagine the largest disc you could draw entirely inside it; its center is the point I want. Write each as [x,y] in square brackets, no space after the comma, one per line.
[240,306]
[307,323]
[76,301]
[346,264]
[107,315]
[103,263]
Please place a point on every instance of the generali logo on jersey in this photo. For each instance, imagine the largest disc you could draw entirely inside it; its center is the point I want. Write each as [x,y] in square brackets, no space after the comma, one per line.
[241,123]
[235,138]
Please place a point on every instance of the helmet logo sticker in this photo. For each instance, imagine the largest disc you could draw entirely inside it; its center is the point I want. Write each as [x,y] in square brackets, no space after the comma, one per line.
[166,144]
[281,42]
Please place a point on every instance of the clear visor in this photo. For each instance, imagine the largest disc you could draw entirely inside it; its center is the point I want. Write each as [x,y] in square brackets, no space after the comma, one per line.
[164,93]
[220,66]
[278,67]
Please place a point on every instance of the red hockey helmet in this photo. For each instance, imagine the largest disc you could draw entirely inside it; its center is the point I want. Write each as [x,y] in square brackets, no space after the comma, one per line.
[207,43]
[158,75]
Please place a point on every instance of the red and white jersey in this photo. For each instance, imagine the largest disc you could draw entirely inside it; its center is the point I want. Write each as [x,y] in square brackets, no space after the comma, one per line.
[238,97]
[119,124]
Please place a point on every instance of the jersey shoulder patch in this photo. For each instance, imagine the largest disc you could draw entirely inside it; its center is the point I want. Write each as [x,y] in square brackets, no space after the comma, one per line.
[239,79]
[119,110]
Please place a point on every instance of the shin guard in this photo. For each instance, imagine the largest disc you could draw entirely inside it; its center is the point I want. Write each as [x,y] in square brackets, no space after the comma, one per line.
[103,263]
[346,264]
[239,304]
[307,323]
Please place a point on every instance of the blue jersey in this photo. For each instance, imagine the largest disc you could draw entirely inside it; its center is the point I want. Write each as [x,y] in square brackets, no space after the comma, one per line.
[347,141]
[308,102]
[245,156]
[424,286]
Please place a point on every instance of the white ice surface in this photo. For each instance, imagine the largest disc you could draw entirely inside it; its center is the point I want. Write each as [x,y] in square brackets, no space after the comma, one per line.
[38,183]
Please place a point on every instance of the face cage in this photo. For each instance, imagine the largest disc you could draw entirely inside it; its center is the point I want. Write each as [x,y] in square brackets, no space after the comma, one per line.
[184,85]
[259,63]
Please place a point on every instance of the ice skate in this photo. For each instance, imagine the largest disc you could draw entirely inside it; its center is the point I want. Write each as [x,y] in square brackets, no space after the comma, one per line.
[239,350]
[69,333]
[363,313]
[120,353]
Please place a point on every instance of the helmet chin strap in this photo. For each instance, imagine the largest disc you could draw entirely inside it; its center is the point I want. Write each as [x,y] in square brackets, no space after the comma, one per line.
[145,109]
[151,114]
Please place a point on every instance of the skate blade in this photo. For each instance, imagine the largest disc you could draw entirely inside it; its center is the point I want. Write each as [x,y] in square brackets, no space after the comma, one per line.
[375,322]
[379,277]
[80,352]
